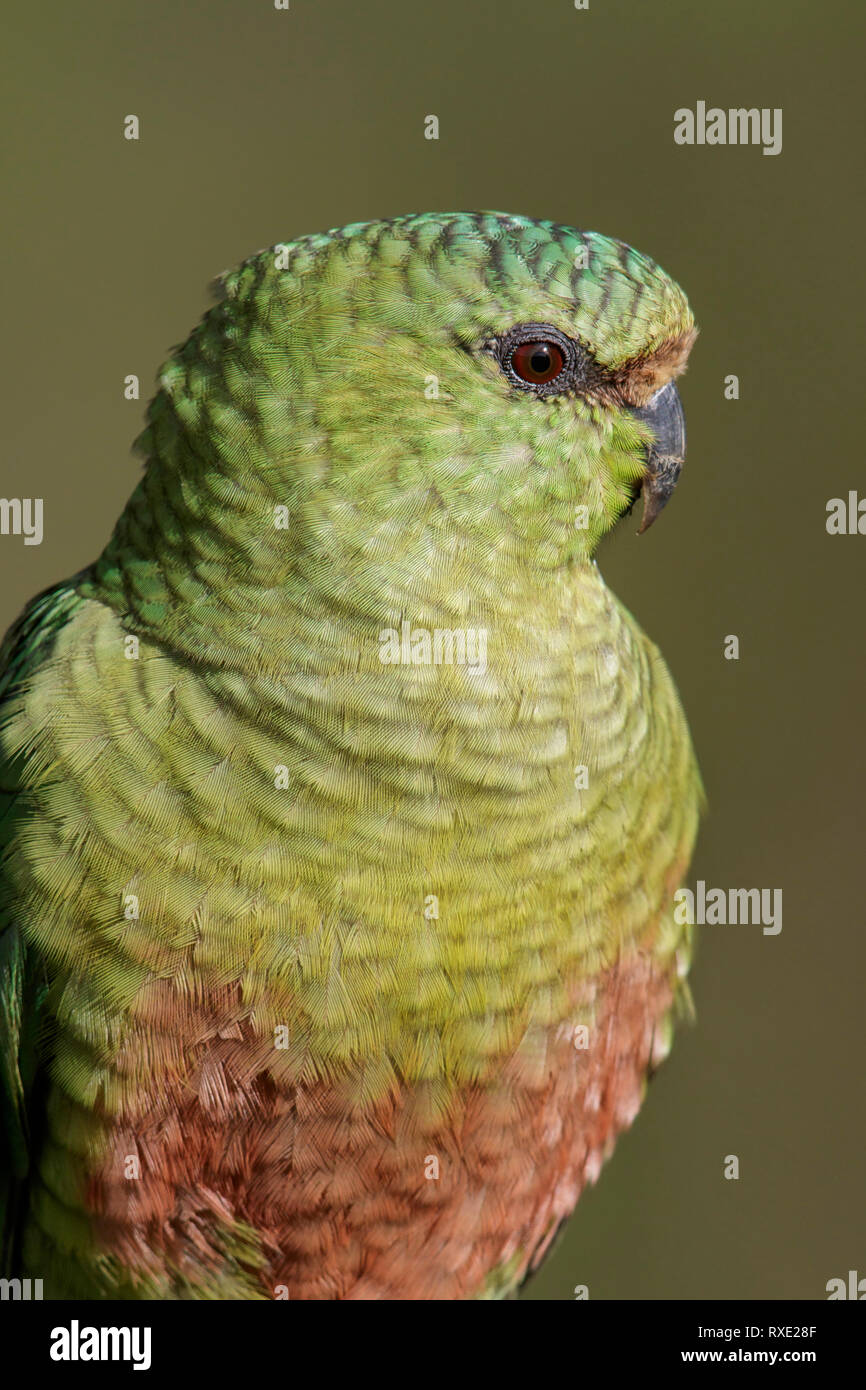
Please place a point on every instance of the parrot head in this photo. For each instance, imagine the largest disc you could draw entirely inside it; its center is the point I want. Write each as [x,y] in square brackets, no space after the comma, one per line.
[502,381]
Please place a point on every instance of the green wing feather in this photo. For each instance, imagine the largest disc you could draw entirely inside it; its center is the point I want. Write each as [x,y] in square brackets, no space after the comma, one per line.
[23,978]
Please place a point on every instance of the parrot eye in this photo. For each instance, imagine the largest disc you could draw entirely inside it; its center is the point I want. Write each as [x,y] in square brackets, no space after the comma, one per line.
[537,357]
[537,363]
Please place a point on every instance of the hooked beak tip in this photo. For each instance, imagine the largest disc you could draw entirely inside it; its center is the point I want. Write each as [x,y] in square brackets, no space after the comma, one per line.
[666,452]
[658,488]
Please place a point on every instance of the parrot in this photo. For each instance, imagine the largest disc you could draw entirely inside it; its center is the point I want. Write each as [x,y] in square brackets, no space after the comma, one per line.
[342,804]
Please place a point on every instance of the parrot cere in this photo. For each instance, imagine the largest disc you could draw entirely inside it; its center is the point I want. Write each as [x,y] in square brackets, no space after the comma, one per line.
[342,805]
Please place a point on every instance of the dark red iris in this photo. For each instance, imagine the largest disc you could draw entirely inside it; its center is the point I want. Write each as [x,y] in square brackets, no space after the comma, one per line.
[537,363]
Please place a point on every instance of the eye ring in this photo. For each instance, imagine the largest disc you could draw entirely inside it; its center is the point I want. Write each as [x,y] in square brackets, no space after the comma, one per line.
[539,358]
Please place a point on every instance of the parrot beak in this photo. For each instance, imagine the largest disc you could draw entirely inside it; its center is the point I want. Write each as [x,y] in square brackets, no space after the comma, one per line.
[665,455]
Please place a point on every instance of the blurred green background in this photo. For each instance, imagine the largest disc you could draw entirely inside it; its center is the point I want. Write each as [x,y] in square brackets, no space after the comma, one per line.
[259,125]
